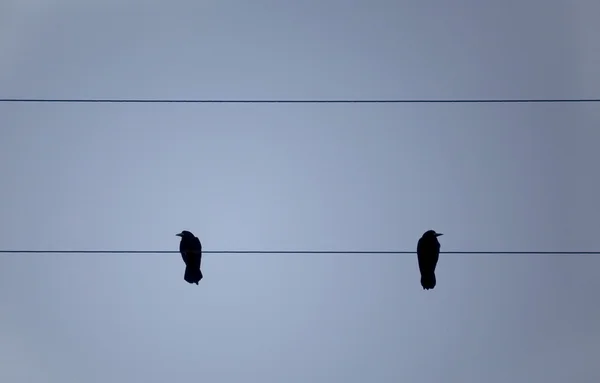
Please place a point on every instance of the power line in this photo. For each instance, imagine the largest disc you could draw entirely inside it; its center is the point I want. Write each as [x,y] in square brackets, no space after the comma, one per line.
[305,101]
[289,252]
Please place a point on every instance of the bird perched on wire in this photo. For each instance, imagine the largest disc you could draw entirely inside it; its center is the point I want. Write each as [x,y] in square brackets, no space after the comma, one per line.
[428,253]
[191,252]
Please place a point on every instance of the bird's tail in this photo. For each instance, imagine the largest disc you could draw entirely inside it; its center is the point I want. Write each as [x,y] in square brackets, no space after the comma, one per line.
[192,275]
[428,281]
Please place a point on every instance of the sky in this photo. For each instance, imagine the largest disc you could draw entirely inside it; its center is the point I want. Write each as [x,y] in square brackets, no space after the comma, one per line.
[491,177]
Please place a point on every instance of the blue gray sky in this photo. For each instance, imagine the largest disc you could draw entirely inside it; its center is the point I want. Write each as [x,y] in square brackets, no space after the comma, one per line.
[299,177]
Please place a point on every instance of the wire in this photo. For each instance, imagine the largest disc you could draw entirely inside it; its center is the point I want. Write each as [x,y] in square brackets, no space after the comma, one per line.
[306,101]
[288,252]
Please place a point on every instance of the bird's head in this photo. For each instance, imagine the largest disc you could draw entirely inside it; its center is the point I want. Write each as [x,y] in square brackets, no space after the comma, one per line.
[185,234]
[431,234]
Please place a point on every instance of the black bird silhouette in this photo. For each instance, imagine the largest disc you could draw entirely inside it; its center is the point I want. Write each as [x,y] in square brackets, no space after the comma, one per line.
[191,252]
[428,253]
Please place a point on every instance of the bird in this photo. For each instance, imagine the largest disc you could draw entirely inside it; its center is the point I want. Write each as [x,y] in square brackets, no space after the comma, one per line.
[191,252]
[428,253]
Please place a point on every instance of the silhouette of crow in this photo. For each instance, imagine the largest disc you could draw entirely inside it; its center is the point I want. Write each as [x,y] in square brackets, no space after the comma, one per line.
[191,252]
[428,253]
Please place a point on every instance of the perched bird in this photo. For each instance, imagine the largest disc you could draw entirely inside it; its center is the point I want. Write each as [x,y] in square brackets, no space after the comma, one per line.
[428,253]
[191,252]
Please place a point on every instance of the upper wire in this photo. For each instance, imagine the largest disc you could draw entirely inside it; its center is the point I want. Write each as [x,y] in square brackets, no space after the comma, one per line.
[349,252]
[292,101]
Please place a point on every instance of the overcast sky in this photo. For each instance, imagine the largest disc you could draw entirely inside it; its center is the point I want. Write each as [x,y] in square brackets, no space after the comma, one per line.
[515,177]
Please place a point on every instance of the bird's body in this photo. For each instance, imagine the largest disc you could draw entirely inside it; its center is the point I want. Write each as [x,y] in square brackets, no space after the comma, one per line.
[428,253]
[191,252]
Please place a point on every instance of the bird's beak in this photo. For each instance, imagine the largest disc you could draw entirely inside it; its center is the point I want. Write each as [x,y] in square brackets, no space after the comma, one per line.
[438,234]
[178,235]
